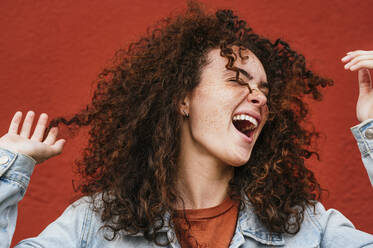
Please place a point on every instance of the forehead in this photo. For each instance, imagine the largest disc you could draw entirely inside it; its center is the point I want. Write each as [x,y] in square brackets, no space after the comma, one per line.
[249,63]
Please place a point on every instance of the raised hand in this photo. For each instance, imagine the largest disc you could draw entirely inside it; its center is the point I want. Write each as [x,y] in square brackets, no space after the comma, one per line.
[362,61]
[34,146]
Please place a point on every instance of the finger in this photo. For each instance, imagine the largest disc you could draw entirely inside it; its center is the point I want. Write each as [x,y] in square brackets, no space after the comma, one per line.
[358,52]
[40,128]
[365,64]
[358,59]
[350,57]
[14,124]
[354,54]
[52,135]
[346,58]
[365,81]
[27,124]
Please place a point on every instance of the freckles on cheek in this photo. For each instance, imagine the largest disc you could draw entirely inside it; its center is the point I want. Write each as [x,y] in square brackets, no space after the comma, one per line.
[211,124]
[212,109]
[205,123]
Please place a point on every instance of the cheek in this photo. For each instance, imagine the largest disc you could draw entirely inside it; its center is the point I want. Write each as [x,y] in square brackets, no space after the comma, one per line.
[265,113]
[206,121]
[211,111]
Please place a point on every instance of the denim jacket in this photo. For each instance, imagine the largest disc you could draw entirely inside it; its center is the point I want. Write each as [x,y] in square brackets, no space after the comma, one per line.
[79,226]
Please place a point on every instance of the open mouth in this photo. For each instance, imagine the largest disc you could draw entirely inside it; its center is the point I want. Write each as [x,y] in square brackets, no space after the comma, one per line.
[245,124]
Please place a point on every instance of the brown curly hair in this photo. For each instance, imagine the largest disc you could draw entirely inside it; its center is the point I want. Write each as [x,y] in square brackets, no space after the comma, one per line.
[134,120]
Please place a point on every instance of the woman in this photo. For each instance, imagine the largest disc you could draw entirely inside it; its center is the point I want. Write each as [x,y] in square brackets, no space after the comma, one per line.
[171,159]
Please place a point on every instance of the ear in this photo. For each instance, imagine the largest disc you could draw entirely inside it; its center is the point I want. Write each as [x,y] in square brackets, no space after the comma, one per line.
[184,106]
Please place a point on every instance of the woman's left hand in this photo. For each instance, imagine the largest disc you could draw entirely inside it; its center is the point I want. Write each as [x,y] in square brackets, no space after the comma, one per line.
[362,61]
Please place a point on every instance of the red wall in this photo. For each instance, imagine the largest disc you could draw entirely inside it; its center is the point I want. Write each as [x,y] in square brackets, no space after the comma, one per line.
[51,51]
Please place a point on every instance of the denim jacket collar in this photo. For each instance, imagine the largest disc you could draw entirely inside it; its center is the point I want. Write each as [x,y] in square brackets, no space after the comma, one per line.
[169,233]
[248,225]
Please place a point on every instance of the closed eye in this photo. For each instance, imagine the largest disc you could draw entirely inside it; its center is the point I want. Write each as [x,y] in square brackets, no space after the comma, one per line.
[239,81]
[263,86]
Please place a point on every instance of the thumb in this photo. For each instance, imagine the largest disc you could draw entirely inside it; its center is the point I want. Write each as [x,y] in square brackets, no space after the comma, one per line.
[58,146]
[365,81]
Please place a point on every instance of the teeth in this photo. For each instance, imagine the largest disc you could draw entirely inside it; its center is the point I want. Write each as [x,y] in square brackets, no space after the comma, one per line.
[242,117]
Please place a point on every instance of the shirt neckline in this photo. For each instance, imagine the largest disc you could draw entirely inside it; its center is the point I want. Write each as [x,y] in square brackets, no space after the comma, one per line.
[208,213]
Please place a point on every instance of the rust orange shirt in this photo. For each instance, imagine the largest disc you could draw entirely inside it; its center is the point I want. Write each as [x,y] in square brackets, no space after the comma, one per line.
[209,227]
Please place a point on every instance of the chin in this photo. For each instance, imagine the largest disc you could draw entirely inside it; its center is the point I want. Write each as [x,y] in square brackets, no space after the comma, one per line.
[239,161]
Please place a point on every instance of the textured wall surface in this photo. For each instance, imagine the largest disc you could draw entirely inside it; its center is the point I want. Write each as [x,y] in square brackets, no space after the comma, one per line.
[52,51]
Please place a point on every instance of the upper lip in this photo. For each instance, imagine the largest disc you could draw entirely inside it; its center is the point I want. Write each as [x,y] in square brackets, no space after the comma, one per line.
[252,113]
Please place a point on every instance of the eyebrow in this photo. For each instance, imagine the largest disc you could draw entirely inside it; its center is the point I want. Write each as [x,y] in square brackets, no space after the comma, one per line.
[246,74]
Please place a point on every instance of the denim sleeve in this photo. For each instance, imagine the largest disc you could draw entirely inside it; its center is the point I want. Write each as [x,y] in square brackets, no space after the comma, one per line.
[363,134]
[71,229]
[15,172]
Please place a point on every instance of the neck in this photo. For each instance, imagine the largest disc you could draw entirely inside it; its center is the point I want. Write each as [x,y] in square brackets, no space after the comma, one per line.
[202,180]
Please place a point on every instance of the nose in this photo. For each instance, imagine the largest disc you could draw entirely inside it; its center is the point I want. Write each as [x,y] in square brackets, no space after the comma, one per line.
[257,97]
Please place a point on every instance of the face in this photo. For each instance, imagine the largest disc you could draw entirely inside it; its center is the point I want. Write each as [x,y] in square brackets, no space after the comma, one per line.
[225,116]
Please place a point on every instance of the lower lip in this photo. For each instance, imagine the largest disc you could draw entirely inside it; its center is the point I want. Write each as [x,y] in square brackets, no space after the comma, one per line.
[248,139]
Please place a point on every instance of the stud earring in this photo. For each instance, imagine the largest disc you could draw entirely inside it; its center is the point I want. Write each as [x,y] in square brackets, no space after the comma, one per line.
[186,114]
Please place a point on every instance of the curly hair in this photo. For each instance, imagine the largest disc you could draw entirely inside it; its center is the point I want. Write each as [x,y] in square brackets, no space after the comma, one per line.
[135,124]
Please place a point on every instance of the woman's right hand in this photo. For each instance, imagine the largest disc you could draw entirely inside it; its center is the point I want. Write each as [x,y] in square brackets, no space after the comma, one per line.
[35,147]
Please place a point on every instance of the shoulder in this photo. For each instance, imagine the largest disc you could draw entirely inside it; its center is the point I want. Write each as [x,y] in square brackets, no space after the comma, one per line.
[83,217]
[331,228]
[318,226]
[322,218]
[74,228]
[311,230]
[80,212]
[87,212]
